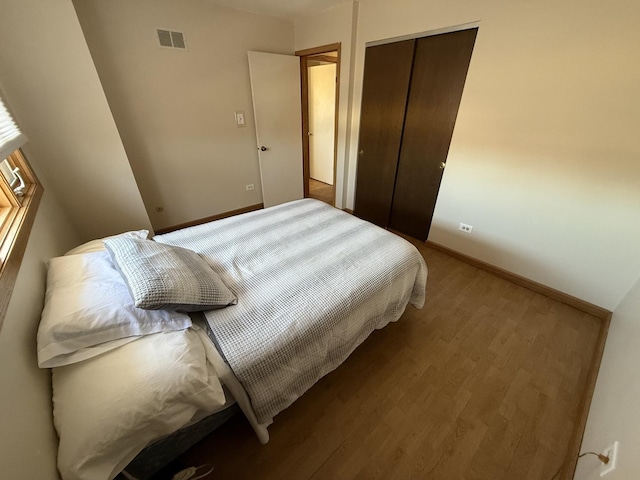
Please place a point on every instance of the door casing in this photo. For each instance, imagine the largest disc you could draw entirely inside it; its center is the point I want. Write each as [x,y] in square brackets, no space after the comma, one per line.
[304,81]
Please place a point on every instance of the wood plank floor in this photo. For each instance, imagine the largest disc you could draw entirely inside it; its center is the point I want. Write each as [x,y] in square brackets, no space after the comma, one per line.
[484,382]
[321,191]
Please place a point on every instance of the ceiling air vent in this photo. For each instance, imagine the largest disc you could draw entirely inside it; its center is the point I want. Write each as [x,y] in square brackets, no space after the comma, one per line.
[171,39]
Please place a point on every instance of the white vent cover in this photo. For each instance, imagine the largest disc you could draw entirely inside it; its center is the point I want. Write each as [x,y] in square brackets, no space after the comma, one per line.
[171,39]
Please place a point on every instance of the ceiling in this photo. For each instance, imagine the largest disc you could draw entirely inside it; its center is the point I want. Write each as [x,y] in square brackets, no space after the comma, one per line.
[280,8]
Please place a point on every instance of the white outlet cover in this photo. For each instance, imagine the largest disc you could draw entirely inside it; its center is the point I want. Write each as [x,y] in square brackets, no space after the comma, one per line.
[612,452]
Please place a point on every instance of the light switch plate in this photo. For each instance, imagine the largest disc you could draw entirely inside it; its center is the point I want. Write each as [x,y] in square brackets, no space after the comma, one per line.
[240,118]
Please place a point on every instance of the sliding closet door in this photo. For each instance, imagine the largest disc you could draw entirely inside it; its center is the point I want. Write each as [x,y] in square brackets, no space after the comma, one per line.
[387,71]
[439,72]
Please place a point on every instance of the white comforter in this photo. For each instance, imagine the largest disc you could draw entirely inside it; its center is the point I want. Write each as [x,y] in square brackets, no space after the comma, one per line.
[108,408]
[312,283]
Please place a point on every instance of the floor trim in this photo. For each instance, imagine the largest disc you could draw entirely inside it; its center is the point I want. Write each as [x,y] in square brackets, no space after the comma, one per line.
[576,442]
[250,208]
[575,302]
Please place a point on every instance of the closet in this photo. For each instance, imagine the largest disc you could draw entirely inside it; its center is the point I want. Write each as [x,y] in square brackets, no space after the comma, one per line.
[410,99]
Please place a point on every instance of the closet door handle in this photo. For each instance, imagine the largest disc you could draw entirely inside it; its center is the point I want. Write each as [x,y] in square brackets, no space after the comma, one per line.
[442,165]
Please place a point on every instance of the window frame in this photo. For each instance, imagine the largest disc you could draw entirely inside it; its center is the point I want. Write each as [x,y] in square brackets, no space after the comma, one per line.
[15,227]
[18,206]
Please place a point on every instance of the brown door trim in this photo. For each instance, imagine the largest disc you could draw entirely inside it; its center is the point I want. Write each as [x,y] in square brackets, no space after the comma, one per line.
[332,47]
[304,91]
[304,82]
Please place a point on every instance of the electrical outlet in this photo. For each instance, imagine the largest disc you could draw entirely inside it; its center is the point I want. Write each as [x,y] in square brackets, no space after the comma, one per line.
[249,187]
[465,228]
[612,452]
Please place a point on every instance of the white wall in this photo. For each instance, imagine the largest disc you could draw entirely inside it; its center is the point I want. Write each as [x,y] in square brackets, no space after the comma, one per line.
[544,158]
[28,443]
[322,114]
[336,25]
[615,407]
[175,109]
[51,84]
[49,80]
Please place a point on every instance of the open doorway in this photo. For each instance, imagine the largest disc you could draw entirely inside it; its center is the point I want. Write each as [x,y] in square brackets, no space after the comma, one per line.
[320,73]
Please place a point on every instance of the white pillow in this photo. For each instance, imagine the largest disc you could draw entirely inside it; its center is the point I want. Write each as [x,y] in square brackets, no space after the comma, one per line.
[98,246]
[88,306]
[108,408]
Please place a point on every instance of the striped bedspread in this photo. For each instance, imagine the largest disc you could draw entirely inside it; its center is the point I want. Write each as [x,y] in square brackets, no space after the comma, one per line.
[312,283]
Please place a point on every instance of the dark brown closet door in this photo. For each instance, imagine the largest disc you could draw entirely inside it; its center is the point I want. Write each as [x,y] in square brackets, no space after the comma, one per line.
[387,71]
[439,72]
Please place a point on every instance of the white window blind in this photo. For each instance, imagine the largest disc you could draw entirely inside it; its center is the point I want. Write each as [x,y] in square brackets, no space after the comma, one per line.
[11,138]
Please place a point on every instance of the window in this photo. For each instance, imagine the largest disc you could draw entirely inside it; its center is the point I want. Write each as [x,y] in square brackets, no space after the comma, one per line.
[20,195]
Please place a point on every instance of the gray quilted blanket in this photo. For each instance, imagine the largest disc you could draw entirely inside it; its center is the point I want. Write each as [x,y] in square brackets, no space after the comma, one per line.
[312,283]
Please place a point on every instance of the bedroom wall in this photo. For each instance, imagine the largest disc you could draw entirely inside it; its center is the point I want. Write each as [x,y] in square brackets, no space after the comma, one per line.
[28,444]
[50,82]
[335,25]
[543,161]
[175,109]
[52,86]
[614,407]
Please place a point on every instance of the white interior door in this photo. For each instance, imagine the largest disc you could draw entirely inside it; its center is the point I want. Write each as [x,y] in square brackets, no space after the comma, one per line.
[275,87]
[322,114]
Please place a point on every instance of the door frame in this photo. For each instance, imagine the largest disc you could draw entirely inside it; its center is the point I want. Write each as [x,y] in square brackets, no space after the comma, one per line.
[304,84]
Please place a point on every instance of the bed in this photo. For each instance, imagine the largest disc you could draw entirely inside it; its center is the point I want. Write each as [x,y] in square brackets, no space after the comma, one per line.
[308,284]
